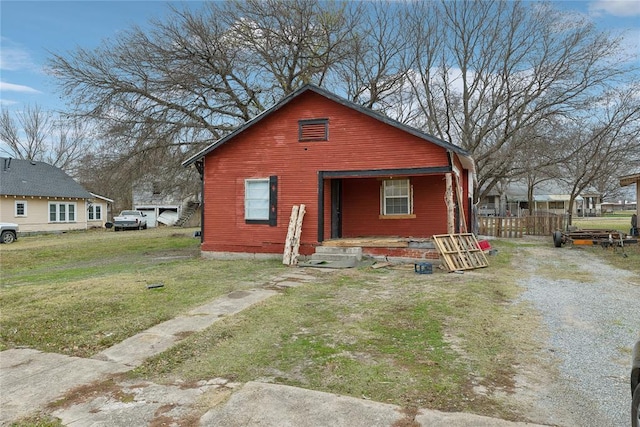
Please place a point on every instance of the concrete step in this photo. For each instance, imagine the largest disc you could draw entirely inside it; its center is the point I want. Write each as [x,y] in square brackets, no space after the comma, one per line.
[344,263]
[334,257]
[331,250]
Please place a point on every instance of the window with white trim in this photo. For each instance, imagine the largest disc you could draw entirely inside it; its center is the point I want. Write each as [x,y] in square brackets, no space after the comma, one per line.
[62,212]
[256,199]
[95,212]
[396,197]
[21,208]
[260,200]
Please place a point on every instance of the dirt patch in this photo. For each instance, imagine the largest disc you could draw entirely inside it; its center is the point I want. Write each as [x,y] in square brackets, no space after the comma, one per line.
[409,419]
[87,392]
[118,401]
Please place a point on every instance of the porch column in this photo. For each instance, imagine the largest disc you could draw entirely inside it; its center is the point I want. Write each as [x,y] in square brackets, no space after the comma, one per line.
[448,199]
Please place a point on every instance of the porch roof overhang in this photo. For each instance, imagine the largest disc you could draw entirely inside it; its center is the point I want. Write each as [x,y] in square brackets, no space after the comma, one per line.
[106,199]
[373,173]
[554,198]
[629,179]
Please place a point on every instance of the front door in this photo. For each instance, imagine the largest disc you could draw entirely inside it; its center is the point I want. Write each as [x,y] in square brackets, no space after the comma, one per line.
[336,208]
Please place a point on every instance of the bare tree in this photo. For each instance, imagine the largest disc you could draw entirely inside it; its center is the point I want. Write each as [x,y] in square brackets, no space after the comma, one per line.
[37,134]
[26,132]
[290,43]
[598,145]
[105,171]
[200,74]
[481,74]
[373,71]
[486,71]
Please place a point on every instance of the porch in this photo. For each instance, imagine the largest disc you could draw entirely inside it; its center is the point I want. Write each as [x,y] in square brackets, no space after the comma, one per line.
[384,247]
[388,203]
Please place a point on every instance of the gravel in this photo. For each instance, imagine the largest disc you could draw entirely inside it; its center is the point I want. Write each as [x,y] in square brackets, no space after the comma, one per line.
[592,321]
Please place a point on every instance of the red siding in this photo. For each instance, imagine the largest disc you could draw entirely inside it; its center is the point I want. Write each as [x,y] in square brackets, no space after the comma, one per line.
[356,142]
[361,209]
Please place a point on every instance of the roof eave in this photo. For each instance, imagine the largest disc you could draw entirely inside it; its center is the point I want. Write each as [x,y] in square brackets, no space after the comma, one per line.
[97,196]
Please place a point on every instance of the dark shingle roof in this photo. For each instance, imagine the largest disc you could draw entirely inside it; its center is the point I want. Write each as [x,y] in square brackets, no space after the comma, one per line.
[30,178]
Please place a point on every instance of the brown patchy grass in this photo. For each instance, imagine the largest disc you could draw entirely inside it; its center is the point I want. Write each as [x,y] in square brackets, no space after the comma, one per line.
[444,341]
[86,392]
[80,293]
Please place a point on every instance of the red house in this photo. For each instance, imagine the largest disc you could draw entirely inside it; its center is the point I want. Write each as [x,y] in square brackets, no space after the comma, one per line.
[359,174]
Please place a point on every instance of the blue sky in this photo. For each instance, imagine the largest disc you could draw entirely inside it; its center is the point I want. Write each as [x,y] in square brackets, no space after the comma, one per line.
[30,29]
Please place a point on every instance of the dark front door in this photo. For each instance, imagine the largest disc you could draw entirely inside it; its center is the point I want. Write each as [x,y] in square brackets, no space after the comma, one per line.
[336,208]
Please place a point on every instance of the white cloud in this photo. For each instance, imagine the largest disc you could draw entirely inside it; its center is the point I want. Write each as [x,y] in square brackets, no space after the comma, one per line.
[10,87]
[14,57]
[615,7]
[7,102]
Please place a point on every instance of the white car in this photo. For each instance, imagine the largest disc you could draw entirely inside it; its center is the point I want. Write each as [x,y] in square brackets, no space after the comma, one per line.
[134,220]
[8,232]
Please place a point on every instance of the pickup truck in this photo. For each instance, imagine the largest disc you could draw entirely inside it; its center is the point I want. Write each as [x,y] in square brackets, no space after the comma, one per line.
[130,219]
[8,232]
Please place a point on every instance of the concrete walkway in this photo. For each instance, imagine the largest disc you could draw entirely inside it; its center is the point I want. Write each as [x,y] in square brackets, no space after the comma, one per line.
[134,350]
[30,380]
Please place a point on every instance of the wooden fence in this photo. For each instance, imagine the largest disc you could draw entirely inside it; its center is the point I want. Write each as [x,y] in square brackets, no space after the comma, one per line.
[518,226]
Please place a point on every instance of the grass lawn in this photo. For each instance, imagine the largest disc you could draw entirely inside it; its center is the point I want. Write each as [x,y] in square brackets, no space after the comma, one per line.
[79,293]
[444,341]
[619,222]
[627,257]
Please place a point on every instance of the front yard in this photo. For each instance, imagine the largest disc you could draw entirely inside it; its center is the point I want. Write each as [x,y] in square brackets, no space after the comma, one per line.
[443,341]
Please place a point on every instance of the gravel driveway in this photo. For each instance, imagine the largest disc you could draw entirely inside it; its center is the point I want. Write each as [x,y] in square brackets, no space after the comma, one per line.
[590,318]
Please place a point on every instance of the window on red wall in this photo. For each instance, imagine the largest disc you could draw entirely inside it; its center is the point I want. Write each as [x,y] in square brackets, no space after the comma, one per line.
[260,200]
[396,197]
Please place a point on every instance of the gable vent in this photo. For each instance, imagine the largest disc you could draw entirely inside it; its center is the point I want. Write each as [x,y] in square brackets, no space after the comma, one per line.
[313,130]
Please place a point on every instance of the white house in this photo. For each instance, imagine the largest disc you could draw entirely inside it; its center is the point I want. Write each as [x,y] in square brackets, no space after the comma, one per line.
[41,197]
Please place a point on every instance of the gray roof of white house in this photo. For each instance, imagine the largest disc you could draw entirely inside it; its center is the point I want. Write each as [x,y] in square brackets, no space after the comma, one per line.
[31,178]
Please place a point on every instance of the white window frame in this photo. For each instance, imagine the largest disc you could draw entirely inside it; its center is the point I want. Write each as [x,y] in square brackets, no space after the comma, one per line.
[66,211]
[387,183]
[251,200]
[24,208]
[92,212]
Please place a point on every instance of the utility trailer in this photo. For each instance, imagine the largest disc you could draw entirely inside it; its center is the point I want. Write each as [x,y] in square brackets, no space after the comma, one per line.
[604,238]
